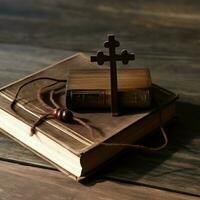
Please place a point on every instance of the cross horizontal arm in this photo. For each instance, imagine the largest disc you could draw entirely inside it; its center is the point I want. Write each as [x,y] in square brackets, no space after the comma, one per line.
[100,58]
[125,57]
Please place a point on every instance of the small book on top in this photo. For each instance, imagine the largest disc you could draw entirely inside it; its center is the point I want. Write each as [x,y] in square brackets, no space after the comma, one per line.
[90,89]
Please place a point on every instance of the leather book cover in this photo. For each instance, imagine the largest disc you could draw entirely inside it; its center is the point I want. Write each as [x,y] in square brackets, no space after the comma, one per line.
[74,137]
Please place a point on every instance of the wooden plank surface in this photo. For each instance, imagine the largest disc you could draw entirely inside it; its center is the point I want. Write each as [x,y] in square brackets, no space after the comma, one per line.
[172,28]
[165,38]
[22,182]
[178,165]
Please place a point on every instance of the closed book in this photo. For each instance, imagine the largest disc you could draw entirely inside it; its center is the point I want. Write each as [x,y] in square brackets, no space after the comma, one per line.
[69,147]
[89,89]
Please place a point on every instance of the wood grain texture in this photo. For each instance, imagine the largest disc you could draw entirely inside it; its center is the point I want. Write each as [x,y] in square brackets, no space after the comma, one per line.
[33,183]
[165,38]
[178,165]
[177,73]
[153,27]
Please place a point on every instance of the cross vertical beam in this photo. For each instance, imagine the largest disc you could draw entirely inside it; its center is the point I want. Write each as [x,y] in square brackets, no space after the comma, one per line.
[111,44]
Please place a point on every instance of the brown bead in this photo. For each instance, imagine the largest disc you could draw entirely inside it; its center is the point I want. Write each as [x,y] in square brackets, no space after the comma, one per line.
[63,115]
[66,116]
[56,113]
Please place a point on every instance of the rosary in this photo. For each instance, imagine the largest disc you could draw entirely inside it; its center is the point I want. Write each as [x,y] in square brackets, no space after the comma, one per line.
[62,114]
[65,115]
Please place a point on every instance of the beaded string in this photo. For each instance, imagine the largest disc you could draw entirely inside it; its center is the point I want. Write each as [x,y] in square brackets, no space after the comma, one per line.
[142,147]
[132,146]
[31,81]
[65,115]
[62,114]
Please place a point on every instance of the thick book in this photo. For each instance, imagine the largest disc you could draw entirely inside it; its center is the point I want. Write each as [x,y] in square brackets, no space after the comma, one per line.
[69,147]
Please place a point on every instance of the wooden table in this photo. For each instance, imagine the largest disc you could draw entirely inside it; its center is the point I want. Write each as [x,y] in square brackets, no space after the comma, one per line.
[165,36]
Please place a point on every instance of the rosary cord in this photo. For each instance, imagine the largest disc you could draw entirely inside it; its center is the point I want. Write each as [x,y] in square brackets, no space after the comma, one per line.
[45,115]
[52,99]
[64,114]
[81,122]
[78,120]
[33,80]
[40,121]
[141,147]
[40,99]
[118,145]
[55,112]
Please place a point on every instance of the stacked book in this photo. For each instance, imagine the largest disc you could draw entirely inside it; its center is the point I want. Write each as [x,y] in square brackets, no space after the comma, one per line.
[69,147]
[90,89]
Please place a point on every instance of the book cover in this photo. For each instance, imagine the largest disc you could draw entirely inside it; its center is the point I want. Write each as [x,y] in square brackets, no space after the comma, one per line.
[70,147]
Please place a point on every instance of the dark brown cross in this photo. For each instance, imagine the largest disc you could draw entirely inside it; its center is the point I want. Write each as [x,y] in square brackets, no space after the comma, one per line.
[111,44]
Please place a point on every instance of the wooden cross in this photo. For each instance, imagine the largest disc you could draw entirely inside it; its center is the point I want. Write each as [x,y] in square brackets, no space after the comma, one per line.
[111,44]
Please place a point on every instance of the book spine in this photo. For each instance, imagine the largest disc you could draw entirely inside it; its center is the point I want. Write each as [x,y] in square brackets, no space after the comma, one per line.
[101,99]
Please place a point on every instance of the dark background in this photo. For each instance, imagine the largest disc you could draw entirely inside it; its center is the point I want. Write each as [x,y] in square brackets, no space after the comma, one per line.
[164,35]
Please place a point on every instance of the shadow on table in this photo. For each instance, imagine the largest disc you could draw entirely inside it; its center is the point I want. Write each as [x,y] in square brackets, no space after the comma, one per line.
[140,167]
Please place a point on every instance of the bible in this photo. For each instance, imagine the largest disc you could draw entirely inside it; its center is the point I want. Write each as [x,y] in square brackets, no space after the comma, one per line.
[69,147]
[90,89]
